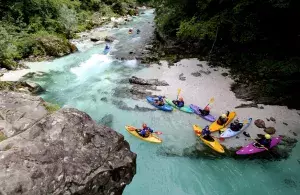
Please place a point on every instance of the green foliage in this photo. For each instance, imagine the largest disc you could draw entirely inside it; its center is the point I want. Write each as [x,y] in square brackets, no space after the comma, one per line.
[2,136]
[51,108]
[24,22]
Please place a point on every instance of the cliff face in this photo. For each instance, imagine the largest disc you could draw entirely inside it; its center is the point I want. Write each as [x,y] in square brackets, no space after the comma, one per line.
[61,153]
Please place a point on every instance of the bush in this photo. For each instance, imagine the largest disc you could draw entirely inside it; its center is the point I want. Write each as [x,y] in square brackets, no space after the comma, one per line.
[51,108]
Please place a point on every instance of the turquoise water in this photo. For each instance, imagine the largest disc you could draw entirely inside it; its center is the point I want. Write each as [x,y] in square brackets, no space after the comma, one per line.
[82,79]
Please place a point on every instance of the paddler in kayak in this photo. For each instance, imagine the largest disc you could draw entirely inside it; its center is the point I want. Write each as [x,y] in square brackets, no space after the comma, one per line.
[236,125]
[130,30]
[223,118]
[145,132]
[179,103]
[265,140]
[206,133]
[205,111]
[106,46]
[160,101]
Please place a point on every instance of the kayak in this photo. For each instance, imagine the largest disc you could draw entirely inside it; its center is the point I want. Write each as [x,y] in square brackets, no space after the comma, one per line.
[184,108]
[106,51]
[213,144]
[151,138]
[252,148]
[229,133]
[196,111]
[215,126]
[164,107]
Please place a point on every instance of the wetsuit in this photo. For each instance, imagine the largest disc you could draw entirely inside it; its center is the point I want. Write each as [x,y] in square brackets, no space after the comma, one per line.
[178,103]
[236,127]
[265,142]
[145,132]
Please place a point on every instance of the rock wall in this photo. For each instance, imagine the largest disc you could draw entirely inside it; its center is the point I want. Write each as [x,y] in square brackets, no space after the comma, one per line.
[61,153]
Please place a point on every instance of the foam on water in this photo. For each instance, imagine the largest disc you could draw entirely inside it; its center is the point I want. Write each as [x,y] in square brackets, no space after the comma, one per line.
[131,63]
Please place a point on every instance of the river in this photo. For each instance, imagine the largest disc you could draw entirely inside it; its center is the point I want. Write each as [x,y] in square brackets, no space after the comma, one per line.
[85,79]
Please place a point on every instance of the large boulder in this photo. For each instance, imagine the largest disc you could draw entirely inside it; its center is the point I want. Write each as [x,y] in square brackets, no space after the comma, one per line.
[61,153]
[21,86]
[98,36]
[110,38]
[270,130]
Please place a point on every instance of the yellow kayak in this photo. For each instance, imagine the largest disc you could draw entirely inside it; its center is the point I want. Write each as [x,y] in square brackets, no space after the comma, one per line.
[213,144]
[151,138]
[215,126]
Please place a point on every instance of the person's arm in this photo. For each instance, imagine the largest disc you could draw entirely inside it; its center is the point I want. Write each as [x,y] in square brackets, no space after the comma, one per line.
[150,130]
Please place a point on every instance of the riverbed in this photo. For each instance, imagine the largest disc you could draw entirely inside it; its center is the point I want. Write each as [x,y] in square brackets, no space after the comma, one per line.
[91,82]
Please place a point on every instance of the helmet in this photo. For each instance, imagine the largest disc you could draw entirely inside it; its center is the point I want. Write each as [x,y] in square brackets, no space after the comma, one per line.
[144,125]
[180,99]
[206,108]
[236,121]
[206,127]
[267,136]
[223,116]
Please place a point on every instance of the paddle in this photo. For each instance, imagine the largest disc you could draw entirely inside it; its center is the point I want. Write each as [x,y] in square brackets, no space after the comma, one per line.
[156,132]
[248,135]
[219,138]
[178,92]
[212,100]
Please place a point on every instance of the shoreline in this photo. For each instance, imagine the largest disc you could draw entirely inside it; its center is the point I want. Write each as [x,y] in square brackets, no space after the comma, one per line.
[195,77]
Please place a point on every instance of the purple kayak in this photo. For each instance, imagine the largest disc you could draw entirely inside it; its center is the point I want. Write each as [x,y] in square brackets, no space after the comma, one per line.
[252,148]
[196,111]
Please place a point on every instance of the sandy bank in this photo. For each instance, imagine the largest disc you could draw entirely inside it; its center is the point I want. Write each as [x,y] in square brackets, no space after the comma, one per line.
[199,83]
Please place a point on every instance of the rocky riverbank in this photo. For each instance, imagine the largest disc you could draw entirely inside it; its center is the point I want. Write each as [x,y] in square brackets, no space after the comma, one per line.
[200,83]
[61,153]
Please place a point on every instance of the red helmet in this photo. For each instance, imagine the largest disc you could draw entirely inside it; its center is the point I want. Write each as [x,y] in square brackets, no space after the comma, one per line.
[144,125]
[207,108]
[180,99]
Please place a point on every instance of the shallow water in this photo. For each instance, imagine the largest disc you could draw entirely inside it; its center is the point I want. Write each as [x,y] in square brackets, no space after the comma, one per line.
[80,80]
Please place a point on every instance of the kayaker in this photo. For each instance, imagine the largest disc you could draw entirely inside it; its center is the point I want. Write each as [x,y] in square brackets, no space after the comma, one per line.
[265,141]
[206,133]
[145,131]
[179,103]
[138,31]
[106,46]
[236,125]
[222,119]
[160,101]
[130,30]
[205,111]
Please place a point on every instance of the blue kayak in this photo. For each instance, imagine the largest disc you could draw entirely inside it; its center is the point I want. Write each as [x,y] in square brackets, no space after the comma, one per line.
[106,51]
[165,107]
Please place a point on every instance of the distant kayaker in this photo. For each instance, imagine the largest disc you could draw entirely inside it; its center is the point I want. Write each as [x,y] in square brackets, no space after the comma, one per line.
[205,111]
[236,125]
[106,46]
[179,103]
[130,30]
[206,133]
[145,132]
[265,141]
[223,118]
[159,101]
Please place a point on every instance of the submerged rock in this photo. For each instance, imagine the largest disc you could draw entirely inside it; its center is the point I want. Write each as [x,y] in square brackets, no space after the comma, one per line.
[196,74]
[181,77]
[110,38]
[273,119]
[107,120]
[247,105]
[260,123]
[62,153]
[225,74]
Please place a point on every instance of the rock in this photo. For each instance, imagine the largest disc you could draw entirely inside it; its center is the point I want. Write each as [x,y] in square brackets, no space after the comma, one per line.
[273,119]
[285,123]
[267,119]
[149,47]
[260,123]
[298,161]
[143,109]
[261,107]
[34,87]
[131,52]
[247,105]
[200,65]
[207,72]
[181,77]
[225,74]
[110,38]
[62,153]
[141,81]
[98,36]
[196,74]
[104,99]
[107,120]
[294,133]
[215,69]
[270,130]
